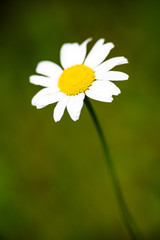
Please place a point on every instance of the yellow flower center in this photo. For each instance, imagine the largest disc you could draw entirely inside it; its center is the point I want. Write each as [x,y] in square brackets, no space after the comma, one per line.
[76,79]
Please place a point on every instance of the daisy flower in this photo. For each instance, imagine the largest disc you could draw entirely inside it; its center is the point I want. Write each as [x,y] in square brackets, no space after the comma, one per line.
[80,75]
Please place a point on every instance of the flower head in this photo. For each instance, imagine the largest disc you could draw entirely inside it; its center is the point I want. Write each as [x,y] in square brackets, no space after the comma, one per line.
[80,76]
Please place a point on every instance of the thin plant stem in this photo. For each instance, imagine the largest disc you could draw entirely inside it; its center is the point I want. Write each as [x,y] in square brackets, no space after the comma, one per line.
[127,218]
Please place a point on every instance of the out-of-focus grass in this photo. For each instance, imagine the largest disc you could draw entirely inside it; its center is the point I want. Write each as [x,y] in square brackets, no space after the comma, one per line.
[53,180]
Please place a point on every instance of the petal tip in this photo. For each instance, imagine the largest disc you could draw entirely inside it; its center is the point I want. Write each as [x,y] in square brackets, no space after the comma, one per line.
[40,65]
[56,120]
[118,92]
[31,79]
[127,76]
[101,40]
[75,119]
[125,60]
[111,44]
[88,40]
[33,102]
[110,99]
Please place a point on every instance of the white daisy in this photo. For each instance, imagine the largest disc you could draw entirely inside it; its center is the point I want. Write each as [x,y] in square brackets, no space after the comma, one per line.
[80,76]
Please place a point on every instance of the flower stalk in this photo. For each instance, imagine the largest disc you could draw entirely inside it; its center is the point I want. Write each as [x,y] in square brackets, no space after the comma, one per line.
[126,216]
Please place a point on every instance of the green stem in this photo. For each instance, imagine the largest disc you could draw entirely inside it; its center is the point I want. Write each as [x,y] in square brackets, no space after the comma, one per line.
[128,220]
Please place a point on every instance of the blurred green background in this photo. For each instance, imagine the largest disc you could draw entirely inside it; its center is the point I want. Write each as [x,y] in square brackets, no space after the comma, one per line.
[54,183]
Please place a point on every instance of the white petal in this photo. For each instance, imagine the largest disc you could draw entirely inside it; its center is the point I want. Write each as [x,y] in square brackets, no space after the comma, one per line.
[43,92]
[73,53]
[74,106]
[109,64]
[59,109]
[43,81]
[102,91]
[49,69]
[49,99]
[112,75]
[106,87]
[98,97]
[83,48]
[98,53]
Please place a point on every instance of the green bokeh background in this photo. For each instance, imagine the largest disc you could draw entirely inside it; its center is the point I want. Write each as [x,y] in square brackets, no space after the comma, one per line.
[54,183]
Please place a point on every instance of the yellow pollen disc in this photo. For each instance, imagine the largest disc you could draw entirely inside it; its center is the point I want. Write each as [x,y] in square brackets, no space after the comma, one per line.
[76,79]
